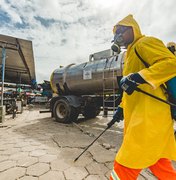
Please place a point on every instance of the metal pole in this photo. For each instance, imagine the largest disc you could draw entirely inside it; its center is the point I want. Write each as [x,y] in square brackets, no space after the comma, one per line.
[92,142]
[3,73]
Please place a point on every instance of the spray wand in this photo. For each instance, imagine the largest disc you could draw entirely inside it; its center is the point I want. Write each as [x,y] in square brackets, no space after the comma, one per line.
[108,126]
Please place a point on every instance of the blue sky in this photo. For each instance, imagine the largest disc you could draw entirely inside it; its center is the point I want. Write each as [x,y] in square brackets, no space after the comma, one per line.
[67,31]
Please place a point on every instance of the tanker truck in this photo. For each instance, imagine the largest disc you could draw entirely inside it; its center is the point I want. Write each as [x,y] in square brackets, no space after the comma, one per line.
[86,88]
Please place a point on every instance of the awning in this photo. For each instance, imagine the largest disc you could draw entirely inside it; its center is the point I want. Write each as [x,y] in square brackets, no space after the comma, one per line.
[19,67]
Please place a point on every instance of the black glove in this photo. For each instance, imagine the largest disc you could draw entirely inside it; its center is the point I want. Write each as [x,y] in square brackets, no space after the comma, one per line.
[118,115]
[130,82]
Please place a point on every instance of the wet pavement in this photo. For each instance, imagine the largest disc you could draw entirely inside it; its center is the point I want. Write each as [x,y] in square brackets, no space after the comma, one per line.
[35,147]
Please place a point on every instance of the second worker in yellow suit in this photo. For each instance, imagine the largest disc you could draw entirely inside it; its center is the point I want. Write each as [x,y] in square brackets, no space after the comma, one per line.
[148,126]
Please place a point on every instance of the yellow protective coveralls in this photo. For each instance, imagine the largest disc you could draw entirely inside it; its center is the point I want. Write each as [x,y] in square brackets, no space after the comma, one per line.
[148,126]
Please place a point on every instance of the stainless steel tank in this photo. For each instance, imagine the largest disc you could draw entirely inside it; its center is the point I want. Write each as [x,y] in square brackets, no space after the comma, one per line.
[88,78]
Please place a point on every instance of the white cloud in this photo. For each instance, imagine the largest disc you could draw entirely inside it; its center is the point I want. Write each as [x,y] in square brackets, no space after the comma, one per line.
[76,28]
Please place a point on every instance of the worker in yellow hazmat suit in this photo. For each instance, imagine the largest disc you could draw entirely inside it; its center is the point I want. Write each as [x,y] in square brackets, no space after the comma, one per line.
[148,126]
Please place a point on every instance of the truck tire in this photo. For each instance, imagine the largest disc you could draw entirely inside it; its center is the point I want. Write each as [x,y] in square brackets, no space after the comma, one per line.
[91,111]
[63,112]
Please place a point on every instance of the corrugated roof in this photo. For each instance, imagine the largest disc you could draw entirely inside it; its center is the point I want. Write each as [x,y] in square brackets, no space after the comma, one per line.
[20,67]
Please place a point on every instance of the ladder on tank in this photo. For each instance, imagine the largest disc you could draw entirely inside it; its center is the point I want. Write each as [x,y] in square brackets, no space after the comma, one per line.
[109,93]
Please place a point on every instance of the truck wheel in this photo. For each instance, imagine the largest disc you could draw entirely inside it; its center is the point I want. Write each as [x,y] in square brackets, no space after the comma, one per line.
[91,111]
[63,112]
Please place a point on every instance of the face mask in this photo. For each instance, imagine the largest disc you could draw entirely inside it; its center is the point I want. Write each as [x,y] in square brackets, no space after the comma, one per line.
[118,41]
[116,48]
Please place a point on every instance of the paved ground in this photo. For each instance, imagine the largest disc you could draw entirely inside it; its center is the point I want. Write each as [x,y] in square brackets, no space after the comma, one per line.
[35,147]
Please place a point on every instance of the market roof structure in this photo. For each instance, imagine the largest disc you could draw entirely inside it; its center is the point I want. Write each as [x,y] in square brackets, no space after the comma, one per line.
[19,65]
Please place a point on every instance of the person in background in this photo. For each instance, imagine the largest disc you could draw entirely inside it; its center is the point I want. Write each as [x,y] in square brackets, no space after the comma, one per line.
[172,47]
[171,84]
[148,126]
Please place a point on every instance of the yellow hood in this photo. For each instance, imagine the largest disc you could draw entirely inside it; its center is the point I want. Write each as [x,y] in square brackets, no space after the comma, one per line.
[130,21]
